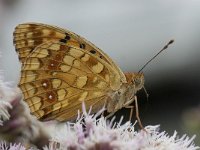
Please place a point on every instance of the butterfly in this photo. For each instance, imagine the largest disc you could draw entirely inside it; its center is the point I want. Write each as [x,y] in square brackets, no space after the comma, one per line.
[61,69]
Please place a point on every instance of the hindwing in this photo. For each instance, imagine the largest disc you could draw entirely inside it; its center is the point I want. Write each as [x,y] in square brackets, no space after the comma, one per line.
[56,78]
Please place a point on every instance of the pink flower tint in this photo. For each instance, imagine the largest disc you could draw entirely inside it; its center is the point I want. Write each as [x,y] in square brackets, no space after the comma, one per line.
[90,133]
[16,123]
[4,146]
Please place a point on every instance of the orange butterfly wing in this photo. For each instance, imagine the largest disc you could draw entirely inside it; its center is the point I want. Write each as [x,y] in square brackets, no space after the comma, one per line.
[28,36]
[61,69]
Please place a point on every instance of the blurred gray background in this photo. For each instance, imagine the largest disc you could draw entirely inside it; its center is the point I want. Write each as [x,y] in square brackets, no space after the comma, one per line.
[130,32]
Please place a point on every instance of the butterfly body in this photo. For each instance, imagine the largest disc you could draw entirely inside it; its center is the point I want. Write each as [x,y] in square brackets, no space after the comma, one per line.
[126,93]
[60,70]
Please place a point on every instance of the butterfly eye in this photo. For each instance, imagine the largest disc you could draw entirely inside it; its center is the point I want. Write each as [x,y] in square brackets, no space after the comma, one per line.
[119,92]
[137,81]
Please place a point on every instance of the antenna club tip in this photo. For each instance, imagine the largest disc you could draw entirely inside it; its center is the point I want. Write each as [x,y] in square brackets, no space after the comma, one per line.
[171,41]
[165,47]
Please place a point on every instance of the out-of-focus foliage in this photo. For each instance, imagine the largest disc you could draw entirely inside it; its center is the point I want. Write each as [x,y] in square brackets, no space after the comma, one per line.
[191,120]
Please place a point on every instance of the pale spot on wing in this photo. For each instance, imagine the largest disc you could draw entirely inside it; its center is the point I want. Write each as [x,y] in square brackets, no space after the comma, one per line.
[76,63]
[56,83]
[75,53]
[64,103]
[65,68]
[29,43]
[68,60]
[97,94]
[54,73]
[61,94]
[24,52]
[50,97]
[45,85]
[26,87]
[97,68]
[94,79]
[32,101]
[35,107]
[107,77]
[83,96]
[46,32]
[55,47]
[40,53]
[32,64]
[57,106]
[60,105]
[85,58]
[69,79]
[81,81]
[28,35]
[45,45]
[39,113]
[28,76]
[102,85]
[28,90]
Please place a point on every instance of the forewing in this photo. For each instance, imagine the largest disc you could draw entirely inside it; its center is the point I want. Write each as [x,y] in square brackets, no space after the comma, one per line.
[56,78]
[29,35]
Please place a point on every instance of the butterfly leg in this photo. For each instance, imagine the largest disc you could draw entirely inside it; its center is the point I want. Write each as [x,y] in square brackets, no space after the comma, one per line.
[137,114]
[110,115]
[136,111]
[131,111]
[129,106]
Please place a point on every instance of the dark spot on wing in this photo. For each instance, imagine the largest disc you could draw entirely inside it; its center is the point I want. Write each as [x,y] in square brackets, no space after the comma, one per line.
[93,51]
[67,37]
[63,40]
[82,46]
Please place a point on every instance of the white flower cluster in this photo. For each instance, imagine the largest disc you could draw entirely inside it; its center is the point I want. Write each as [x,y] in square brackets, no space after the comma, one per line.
[5,146]
[90,133]
[5,94]
[4,115]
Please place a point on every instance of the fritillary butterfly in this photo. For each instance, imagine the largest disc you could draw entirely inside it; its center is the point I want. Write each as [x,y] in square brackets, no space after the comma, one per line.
[61,69]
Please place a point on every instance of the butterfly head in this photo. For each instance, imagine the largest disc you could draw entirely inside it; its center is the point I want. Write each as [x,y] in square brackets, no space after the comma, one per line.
[136,80]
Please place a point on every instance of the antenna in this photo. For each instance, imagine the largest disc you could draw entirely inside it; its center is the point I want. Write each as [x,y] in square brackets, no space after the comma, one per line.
[165,47]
